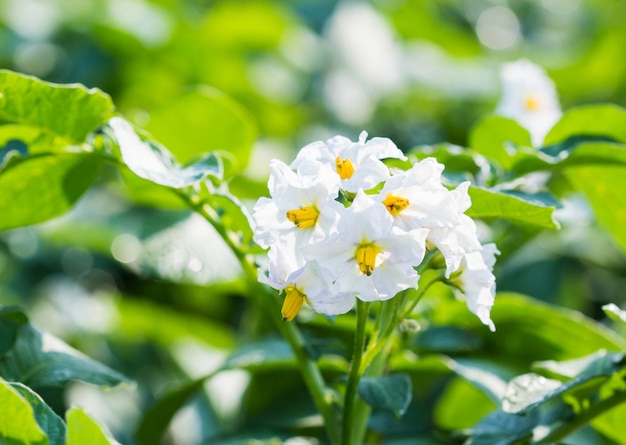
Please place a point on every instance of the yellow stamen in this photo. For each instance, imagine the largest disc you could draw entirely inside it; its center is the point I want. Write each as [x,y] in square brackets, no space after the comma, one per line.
[344,168]
[366,257]
[304,217]
[395,204]
[292,304]
[532,102]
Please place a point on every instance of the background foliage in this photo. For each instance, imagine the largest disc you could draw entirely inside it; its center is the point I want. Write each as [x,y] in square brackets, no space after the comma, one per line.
[135,280]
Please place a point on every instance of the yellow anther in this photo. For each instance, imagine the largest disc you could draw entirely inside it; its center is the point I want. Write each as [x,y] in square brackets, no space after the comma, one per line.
[532,102]
[366,258]
[304,217]
[344,167]
[292,304]
[395,204]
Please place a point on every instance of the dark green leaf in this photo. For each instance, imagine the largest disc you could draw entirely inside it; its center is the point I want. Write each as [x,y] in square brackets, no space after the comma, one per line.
[496,138]
[591,120]
[500,428]
[203,120]
[490,204]
[43,187]
[52,425]
[41,360]
[18,424]
[154,163]
[69,111]
[391,393]
[11,318]
[446,339]
[83,430]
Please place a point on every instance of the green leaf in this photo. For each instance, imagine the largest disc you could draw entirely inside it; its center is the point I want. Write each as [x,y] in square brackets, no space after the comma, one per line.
[481,375]
[500,428]
[41,360]
[69,111]
[603,186]
[11,319]
[496,138]
[490,204]
[83,430]
[391,393]
[591,120]
[46,418]
[17,419]
[43,187]
[203,120]
[154,163]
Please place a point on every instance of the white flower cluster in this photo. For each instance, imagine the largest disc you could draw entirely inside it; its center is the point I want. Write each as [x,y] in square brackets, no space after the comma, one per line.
[340,224]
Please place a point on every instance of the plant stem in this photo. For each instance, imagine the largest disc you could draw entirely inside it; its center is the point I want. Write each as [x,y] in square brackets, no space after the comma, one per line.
[561,431]
[311,374]
[350,399]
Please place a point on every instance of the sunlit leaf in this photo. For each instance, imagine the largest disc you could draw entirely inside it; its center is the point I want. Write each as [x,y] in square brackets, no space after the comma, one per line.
[614,312]
[481,375]
[154,163]
[43,187]
[604,120]
[46,418]
[490,204]
[203,120]
[391,393]
[18,424]
[603,186]
[82,430]
[496,138]
[69,111]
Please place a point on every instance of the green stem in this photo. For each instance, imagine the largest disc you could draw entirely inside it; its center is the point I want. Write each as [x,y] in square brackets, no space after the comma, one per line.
[350,399]
[311,374]
[558,433]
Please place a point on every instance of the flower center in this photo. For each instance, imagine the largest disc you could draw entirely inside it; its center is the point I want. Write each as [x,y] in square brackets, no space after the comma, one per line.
[532,102]
[344,167]
[304,217]
[366,257]
[395,204]
[292,304]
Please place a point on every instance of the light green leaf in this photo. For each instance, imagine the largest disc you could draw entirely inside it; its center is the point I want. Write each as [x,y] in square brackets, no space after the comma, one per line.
[391,393]
[490,204]
[154,163]
[46,418]
[41,360]
[608,121]
[17,419]
[604,188]
[83,430]
[203,120]
[481,375]
[43,187]
[600,363]
[69,111]
[496,138]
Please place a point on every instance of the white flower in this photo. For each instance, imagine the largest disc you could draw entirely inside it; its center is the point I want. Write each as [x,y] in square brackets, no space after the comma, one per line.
[455,240]
[369,257]
[357,164]
[477,282]
[416,198]
[529,96]
[302,207]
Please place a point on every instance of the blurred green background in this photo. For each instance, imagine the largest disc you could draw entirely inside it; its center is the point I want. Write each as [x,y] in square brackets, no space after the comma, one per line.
[135,281]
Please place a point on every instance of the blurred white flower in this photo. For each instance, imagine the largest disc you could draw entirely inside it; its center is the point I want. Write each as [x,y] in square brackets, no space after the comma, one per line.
[529,96]
[369,256]
[357,164]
